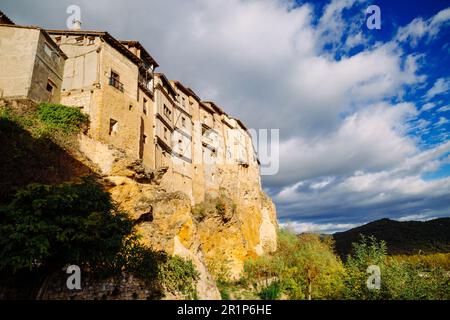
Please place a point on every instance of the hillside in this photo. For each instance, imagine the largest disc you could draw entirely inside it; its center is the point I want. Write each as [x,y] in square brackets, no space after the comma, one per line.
[409,237]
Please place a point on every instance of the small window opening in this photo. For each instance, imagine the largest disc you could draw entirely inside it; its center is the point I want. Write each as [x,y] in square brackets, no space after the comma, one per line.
[113,126]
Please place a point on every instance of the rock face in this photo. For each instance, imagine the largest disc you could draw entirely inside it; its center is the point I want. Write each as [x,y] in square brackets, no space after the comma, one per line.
[217,235]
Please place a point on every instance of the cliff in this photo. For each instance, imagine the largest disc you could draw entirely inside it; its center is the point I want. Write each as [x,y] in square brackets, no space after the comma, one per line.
[218,234]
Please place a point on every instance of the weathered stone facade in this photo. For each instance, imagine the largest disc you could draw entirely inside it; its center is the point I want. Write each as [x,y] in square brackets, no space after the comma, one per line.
[31,64]
[161,122]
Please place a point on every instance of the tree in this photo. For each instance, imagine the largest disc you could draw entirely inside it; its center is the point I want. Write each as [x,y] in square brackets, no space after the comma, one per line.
[304,266]
[366,252]
[50,226]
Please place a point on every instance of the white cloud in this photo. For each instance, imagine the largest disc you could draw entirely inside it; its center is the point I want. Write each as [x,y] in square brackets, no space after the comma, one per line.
[428,106]
[416,217]
[398,190]
[442,121]
[420,28]
[441,85]
[369,140]
[321,228]
[443,109]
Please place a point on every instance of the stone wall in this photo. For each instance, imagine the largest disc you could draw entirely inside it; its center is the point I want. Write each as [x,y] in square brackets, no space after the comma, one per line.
[125,287]
[28,61]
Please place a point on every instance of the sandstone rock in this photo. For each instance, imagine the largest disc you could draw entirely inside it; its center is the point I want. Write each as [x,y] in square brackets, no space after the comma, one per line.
[234,223]
[165,222]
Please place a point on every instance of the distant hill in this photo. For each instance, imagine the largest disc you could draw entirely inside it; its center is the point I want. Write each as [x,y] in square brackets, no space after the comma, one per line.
[409,237]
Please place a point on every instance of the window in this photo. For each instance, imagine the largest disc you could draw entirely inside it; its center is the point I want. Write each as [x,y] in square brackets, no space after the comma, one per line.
[183,102]
[167,111]
[48,50]
[91,40]
[144,139]
[58,40]
[113,126]
[114,81]
[50,86]
[144,106]
[183,122]
[165,133]
[79,40]
[130,107]
[115,75]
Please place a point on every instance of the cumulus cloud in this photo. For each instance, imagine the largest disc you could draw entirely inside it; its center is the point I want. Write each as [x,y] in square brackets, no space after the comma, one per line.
[369,140]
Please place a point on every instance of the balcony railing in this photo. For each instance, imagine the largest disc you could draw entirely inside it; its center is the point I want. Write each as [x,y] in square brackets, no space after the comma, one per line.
[116,84]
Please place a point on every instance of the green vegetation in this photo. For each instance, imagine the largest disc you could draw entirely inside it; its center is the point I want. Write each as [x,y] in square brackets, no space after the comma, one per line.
[47,227]
[427,261]
[33,153]
[179,275]
[48,120]
[306,267]
[271,292]
[60,117]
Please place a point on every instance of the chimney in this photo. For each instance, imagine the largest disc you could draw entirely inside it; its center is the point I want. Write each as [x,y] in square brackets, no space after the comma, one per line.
[76,25]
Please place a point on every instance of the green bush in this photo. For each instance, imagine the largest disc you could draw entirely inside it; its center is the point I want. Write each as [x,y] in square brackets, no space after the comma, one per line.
[366,252]
[400,279]
[60,117]
[271,292]
[224,290]
[50,226]
[303,267]
[179,276]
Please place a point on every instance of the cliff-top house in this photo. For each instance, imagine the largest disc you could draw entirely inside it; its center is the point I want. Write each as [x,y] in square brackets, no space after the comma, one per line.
[31,63]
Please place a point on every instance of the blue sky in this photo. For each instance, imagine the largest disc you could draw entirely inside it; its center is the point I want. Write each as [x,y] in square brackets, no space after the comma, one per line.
[364,115]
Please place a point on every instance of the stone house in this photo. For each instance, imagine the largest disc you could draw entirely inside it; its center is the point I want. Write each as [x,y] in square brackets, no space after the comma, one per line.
[31,63]
[183,165]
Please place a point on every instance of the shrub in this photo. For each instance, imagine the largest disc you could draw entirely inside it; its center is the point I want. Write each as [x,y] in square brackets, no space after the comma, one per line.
[179,276]
[50,226]
[303,266]
[366,252]
[60,117]
[271,292]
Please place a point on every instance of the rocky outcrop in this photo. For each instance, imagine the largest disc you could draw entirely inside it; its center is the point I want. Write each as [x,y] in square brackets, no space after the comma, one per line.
[231,234]
[217,235]
[164,221]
